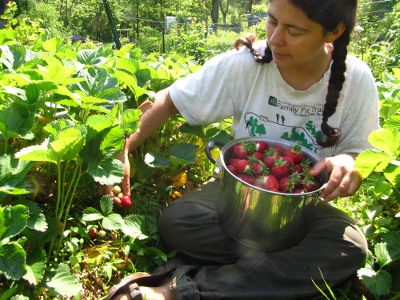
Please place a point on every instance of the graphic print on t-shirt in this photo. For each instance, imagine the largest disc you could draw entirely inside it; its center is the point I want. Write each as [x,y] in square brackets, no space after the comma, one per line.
[283,113]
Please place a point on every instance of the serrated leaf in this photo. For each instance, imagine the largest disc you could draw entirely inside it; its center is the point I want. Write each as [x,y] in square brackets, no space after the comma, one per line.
[184,152]
[12,261]
[130,121]
[392,173]
[382,254]
[378,283]
[385,140]
[62,282]
[107,173]
[156,160]
[370,161]
[13,220]
[37,220]
[106,204]
[40,152]
[35,264]
[135,227]
[91,214]
[113,222]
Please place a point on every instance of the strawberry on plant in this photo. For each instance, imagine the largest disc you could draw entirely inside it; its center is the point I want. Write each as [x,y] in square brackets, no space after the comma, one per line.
[102,233]
[116,190]
[295,153]
[126,201]
[268,182]
[92,233]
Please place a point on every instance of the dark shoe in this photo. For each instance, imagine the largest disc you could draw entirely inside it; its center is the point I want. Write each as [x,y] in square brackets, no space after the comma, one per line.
[130,285]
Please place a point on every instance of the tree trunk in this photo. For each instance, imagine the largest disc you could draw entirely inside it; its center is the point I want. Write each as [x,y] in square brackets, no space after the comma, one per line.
[224,12]
[214,13]
[250,6]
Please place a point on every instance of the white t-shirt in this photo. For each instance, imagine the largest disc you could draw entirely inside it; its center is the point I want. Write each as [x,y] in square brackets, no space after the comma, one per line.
[263,104]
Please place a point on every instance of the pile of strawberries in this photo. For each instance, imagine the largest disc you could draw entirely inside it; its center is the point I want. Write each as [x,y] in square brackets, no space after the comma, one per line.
[272,168]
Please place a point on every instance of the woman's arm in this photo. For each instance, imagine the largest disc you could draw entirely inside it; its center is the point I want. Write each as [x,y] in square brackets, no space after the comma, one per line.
[344,179]
[154,114]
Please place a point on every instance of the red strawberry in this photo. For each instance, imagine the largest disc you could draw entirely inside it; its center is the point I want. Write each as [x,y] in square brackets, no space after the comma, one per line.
[280,168]
[257,169]
[268,182]
[288,159]
[297,168]
[233,161]
[92,233]
[309,184]
[126,201]
[270,156]
[257,155]
[243,166]
[247,178]
[286,184]
[279,149]
[232,169]
[239,151]
[297,191]
[261,146]
[295,153]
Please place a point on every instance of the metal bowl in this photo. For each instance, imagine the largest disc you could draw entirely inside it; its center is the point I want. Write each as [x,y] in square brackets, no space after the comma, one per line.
[257,217]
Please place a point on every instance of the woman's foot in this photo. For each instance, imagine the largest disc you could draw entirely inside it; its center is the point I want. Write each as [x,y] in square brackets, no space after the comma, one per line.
[161,292]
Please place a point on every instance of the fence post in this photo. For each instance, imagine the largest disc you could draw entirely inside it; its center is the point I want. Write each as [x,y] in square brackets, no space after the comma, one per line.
[112,24]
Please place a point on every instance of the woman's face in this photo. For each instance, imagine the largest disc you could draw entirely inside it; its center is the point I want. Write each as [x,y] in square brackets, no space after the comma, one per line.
[295,40]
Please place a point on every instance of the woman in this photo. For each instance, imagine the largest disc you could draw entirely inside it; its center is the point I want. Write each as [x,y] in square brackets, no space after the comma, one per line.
[297,85]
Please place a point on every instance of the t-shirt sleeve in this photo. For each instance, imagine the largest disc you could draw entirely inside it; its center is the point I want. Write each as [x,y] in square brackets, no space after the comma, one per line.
[216,91]
[363,111]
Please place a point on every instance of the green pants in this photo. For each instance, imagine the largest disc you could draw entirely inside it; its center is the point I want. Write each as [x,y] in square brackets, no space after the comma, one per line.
[216,266]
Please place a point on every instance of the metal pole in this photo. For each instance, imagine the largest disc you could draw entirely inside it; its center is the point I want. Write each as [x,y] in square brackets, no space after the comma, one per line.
[112,24]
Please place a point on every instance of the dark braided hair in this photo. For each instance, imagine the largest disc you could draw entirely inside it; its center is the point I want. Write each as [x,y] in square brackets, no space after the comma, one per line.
[328,13]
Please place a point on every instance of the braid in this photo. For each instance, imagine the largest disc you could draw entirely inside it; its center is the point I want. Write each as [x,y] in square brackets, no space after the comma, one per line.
[248,41]
[336,81]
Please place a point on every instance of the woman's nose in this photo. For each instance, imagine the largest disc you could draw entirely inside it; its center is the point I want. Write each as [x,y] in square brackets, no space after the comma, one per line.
[276,38]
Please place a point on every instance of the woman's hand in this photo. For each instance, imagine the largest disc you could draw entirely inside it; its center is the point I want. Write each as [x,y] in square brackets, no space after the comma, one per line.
[125,184]
[344,179]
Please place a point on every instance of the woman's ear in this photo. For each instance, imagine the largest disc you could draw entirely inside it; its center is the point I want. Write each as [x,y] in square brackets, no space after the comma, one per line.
[336,33]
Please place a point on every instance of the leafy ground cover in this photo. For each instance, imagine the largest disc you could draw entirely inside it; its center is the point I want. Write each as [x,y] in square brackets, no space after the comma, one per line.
[65,110]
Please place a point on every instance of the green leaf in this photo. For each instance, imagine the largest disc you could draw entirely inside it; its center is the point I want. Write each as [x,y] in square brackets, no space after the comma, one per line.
[35,264]
[184,152]
[130,121]
[12,261]
[392,172]
[156,160]
[106,204]
[370,161]
[113,222]
[382,254]
[91,214]
[14,56]
[385,140]
[135,227]
[378,283]
[37,220]
[13,220]
[392,239]
[108,173]
[62,282]
[41,152]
